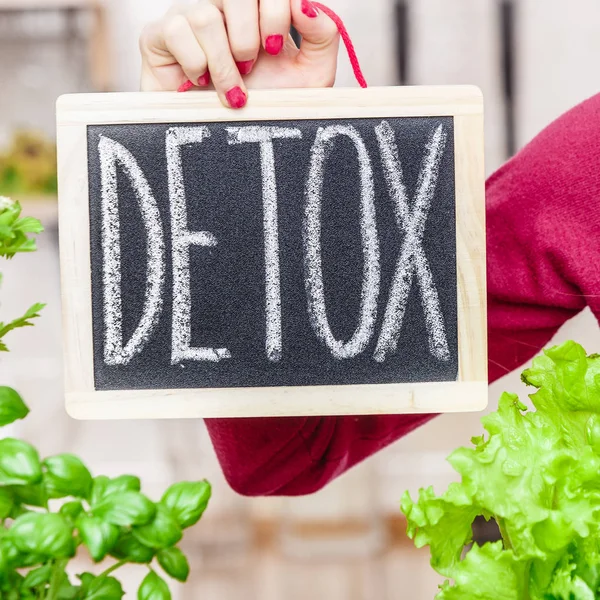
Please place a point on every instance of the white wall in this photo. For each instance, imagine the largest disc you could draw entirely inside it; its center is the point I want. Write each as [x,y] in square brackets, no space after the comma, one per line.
[126,20]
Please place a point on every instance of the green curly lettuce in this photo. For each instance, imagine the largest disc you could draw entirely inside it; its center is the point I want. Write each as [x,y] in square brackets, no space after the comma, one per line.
[537,473]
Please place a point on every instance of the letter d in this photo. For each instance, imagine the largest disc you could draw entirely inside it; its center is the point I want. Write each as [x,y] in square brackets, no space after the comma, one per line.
[115,352]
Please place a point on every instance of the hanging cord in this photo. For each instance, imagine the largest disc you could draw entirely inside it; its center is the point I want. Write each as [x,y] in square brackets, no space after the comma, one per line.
[347,42]
[188,85]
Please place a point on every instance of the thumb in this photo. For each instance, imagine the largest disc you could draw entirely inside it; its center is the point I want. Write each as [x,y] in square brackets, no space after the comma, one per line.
[320,41]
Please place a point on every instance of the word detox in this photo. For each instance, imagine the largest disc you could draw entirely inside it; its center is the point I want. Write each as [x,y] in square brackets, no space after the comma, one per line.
[273,254]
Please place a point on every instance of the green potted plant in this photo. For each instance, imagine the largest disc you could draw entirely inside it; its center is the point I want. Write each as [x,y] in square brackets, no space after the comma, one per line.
[537,473]
[28,173]
[52,508]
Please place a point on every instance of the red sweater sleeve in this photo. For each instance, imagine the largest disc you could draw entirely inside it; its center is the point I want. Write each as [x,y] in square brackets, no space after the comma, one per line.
[543,219]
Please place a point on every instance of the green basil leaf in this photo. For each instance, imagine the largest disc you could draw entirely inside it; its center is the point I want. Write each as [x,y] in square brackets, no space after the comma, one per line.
[7,502]
[123,483]
[67,591]
[30,560]
[98,489]
[153,587]
[86,579]
[104,487]
[187,501]
[43,533]
[174,563]
[17,511]
[65,476]
[19,463]
[12,407]
[162,532]
[12,558]
[4,566]
[125,508]
[30,495]
[71,510]
[14,580]
[130,549]
[104,588]
[12,585]
[97,535]
[9,553]
[37,576]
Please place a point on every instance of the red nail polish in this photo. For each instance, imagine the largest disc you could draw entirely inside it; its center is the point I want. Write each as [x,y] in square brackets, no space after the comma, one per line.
[185,86]
[236,97]
[274,44]
[308,9]
[204,80]
[245,66]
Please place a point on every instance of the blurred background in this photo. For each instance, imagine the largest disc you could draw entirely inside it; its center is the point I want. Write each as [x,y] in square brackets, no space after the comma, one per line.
[532,59]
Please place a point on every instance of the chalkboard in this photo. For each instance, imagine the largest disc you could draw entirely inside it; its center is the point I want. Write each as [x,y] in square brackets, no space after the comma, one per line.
[299,261]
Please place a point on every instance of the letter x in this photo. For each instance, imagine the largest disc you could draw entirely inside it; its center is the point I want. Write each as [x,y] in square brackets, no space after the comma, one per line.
[412,260]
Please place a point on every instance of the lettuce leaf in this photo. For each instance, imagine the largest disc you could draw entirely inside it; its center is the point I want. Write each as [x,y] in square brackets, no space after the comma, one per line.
[486,572]
[537,473]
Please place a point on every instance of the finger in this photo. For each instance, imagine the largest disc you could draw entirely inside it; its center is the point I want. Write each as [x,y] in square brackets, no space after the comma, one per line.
[164,45]
[275,19]
[241,17]
[209,28]
[160,71]
[320,41]
[182,44]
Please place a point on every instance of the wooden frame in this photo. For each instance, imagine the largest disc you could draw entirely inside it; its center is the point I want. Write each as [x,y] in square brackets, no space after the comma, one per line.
[468,393]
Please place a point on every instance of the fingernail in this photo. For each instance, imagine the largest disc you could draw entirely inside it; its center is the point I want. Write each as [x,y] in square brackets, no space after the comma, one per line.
[274,44]
[236,98]
[204,80]
[308,9]
[245,66]
[185,87]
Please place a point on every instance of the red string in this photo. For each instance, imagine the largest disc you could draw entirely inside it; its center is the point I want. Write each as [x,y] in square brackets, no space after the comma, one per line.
[347,42]
[188,85]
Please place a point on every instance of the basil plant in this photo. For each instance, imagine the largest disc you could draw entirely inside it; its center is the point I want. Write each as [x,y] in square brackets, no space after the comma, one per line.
[51,509]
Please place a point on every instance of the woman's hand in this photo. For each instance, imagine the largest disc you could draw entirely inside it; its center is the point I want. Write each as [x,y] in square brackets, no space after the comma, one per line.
[239,44]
